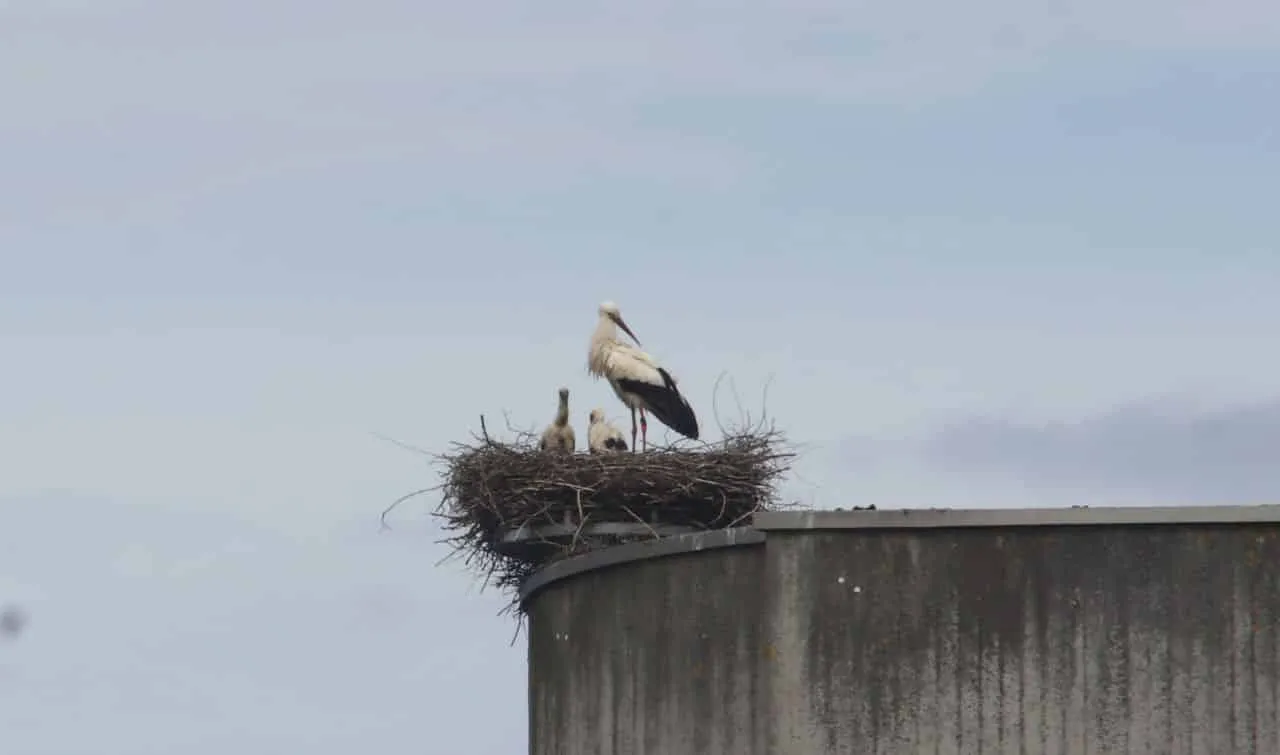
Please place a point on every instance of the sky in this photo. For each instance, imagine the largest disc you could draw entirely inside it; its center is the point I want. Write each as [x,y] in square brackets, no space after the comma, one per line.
[1004,254]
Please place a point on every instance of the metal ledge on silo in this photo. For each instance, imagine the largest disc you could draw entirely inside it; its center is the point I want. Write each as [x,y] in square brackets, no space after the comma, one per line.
[538,543]
[1075,516]
[673,545]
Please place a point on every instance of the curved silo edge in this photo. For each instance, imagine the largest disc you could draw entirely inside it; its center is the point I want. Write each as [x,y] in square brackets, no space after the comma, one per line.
[767,521]
[673,545]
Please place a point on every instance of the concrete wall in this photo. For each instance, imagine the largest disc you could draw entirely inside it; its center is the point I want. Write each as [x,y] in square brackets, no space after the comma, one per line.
[1078,631]
[631,659]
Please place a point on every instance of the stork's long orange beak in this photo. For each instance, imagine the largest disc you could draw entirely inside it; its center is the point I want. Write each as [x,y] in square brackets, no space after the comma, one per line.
[621,324]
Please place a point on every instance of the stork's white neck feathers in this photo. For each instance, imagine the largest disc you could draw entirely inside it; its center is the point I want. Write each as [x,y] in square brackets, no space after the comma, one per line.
[606,342]
[603,341]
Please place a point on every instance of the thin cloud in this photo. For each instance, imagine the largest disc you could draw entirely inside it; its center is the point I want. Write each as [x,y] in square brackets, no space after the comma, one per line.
[206,51]
[149,106]
[1161,451]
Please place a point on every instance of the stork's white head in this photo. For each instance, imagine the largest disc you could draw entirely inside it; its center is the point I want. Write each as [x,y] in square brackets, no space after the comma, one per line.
[610,311]
[597,416]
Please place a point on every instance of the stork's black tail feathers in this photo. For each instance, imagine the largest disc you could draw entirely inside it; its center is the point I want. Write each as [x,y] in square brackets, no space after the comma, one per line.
[665,403]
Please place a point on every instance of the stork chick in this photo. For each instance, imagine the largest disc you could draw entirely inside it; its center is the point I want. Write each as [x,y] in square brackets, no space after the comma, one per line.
[636,378]
[559,434]
[603,436]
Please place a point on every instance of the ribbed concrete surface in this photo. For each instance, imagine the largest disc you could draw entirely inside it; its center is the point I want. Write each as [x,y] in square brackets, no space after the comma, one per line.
[1034,640]
[652,657]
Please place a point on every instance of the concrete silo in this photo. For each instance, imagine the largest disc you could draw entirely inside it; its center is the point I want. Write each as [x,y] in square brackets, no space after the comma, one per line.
[1055,632]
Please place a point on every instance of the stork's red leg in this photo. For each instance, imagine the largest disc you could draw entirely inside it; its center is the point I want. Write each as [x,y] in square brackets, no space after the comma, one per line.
[633,429]
[644,431]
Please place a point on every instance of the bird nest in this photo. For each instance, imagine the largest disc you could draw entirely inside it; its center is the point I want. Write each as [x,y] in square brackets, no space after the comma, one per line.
[510,509]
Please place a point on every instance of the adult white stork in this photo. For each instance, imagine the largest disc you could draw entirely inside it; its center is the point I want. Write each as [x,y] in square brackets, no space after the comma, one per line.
[559,434]
[603,436]
[637,378]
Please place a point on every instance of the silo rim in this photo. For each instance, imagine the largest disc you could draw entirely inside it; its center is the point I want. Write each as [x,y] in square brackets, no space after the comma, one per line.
[767,521]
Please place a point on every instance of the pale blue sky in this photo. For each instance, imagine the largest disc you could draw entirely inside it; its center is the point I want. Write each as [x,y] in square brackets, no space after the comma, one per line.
[239,238]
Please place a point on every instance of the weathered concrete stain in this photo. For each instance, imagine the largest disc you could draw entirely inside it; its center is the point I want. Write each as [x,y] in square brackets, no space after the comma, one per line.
[658,656]
[1053,640]
[1059,640]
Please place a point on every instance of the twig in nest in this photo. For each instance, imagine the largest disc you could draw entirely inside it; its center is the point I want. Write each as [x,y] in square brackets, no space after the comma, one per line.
[641,520]
[715,403]
[400,443]
[400,500]
[745,423]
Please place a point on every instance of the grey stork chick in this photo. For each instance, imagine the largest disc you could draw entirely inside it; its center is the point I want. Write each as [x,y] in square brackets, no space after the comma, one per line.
[604,436]
[559,434]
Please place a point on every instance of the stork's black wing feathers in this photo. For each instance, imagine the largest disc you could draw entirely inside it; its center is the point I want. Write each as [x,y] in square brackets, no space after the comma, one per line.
[665,403]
